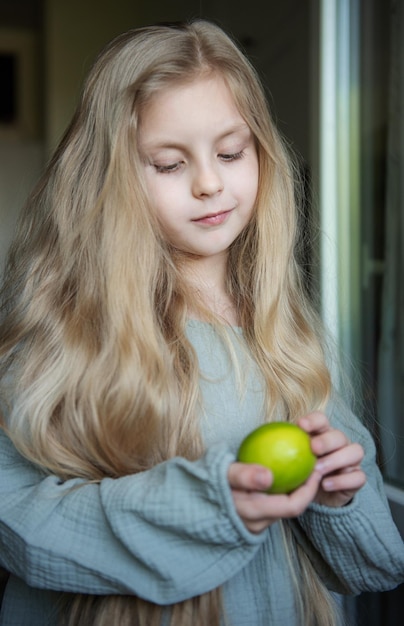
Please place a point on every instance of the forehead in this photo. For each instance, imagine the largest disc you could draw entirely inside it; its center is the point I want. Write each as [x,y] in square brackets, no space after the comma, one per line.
[205,103]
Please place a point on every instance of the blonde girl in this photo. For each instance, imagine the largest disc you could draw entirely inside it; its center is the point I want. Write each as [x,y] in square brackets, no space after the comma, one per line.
[152,315]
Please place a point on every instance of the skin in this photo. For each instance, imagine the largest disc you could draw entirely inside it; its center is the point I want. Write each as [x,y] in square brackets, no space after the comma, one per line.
[335,480]
[201,172]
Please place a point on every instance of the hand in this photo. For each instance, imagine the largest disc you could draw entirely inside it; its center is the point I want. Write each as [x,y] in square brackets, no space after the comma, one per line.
[338,461]
[258,509]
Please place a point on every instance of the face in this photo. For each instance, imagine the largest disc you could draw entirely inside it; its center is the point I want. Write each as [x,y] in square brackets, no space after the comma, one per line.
[201,166]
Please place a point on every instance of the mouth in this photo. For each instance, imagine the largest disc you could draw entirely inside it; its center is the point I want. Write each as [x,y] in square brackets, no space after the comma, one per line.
[213,219]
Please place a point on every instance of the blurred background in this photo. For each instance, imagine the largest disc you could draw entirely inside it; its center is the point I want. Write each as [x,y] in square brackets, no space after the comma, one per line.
[334,73]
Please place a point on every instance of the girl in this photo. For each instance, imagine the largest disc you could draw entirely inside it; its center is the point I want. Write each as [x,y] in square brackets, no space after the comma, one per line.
[152,316]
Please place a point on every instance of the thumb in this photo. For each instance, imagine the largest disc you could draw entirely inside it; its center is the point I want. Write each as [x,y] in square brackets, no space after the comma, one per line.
[249,477]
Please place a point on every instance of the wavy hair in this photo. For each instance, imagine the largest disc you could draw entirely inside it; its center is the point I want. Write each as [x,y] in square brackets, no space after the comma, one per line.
[94,306]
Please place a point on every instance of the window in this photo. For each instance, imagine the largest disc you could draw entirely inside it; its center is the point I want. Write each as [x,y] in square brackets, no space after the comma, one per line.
[361,206]
[361,189]
[382,142]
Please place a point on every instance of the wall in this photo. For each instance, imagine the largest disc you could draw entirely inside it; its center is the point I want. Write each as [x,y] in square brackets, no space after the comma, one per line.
[74,32]
[20,165]
[70,33]
[21,144]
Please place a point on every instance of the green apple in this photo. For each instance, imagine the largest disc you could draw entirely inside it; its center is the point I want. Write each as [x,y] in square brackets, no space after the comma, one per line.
[285,449]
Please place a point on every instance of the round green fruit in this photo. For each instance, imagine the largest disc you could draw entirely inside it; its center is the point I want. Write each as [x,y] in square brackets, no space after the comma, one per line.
[285,449]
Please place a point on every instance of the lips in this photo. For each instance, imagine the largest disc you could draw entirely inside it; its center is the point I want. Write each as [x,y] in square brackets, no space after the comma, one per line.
[213,219]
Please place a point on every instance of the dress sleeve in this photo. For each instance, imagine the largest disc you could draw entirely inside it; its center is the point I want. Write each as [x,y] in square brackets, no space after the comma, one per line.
[357,547]
[165,534]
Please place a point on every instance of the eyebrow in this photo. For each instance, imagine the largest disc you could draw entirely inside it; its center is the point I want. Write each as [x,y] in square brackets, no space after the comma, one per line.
[232,130]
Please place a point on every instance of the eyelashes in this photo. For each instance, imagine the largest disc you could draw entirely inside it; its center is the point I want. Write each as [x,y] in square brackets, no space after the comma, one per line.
[232,157]
[175,167]
[167,169]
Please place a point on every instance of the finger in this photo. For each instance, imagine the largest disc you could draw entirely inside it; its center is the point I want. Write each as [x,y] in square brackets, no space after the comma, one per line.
[295,503]
[257,507]
[342,459]
[250,505]
[315,422]
[348,481]
[328,442]
[249,477]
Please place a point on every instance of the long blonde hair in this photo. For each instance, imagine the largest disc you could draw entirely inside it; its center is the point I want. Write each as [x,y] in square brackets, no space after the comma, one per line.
[94,308]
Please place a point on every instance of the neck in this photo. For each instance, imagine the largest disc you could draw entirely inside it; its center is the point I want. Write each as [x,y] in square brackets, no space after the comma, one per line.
[207,276]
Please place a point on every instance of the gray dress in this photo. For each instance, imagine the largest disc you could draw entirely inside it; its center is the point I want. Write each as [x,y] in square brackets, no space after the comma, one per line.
[172,532]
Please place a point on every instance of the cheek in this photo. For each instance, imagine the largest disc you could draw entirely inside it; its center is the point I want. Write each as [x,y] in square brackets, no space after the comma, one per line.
[251,184]
[248,177]
[162,198]
[168,207]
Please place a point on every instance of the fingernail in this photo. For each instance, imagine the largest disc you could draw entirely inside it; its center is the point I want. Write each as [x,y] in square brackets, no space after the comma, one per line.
[327,484]
[320,466]
[263,478]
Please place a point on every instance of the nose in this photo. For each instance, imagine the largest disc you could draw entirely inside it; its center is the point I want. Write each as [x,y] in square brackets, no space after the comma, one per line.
[206,181]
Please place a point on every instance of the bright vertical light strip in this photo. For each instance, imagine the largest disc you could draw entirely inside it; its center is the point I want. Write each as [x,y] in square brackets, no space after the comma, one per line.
[344,173]
[339,172]
[354,269]
[328,174]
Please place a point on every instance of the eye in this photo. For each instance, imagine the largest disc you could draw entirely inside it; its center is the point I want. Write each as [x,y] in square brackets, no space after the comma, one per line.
[167,169]
[235,156]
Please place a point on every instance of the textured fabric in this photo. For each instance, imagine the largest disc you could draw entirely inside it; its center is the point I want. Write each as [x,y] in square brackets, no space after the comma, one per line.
[172,532]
